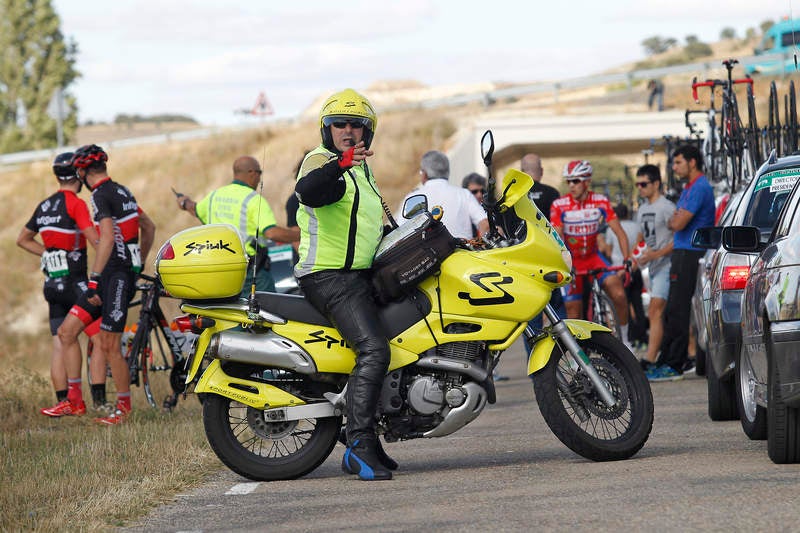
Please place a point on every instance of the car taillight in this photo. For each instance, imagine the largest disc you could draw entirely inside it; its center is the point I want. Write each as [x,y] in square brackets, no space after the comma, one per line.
[734,277]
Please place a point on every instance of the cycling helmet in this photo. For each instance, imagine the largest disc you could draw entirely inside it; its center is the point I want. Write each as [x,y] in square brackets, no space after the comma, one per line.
[88,154]
[347,105]
[62,166]
[578,169]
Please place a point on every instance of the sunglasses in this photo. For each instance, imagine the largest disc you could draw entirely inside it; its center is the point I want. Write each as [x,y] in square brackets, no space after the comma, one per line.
[643,184]
[343,124]
[476,191]
[574,181]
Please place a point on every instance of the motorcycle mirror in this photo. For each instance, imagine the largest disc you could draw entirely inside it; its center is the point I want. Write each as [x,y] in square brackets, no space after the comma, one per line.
[487,147]
[414,205]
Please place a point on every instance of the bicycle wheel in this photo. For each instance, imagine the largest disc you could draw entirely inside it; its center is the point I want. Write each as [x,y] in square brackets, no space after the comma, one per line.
[601,310]
[158,369]
[774,128]
[753,133]
[790,122]
[150,364]
[732,142]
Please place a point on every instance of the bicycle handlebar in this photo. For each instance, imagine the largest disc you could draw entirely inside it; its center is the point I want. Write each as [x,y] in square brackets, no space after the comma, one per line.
[596,271]
[715,83]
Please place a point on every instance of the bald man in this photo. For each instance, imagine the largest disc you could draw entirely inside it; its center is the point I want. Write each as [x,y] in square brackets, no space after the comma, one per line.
[542,195]
[229,203]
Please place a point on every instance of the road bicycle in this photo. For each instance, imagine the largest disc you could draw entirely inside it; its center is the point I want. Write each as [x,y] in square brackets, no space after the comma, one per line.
[157,353]
[597,305]
[725,147]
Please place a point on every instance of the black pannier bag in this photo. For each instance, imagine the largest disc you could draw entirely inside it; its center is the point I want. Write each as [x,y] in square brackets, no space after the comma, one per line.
[409,254]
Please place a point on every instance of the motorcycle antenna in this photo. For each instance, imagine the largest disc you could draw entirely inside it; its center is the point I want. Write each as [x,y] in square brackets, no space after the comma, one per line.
[252,304]
[489,200]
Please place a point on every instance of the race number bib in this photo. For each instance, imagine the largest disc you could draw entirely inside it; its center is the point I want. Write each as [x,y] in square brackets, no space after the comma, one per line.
[136,257]
[54,263]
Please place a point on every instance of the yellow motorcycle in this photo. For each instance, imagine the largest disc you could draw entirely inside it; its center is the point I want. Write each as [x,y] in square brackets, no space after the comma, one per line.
[272,370]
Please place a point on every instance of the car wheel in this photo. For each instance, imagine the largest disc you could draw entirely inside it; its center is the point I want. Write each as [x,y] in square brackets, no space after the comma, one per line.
[783,422]
[752,415]
[721,398]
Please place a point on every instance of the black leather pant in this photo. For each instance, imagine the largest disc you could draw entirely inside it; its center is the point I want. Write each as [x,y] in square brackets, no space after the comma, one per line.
[346,297]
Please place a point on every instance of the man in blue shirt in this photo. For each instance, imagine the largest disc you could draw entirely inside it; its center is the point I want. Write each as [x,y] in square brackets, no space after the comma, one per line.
[695,209]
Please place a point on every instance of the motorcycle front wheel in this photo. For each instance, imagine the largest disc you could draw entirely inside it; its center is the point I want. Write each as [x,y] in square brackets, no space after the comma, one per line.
[266,451]
[577,415]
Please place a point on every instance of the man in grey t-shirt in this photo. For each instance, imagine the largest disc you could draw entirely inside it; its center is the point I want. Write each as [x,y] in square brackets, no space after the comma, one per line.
[653,218]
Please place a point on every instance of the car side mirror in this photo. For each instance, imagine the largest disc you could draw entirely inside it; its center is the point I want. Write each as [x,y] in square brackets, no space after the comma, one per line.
[707,238]
[741,239]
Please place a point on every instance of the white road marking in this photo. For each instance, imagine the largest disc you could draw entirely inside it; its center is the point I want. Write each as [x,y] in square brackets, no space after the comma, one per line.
[242,488]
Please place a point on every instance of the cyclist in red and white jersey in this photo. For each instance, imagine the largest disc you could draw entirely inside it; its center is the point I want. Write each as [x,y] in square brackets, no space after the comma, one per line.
[578,217]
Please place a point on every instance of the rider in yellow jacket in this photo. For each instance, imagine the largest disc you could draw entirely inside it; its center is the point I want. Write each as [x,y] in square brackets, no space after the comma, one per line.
[341,224]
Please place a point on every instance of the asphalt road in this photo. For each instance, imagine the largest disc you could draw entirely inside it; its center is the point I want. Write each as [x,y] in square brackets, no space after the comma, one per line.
[507,472]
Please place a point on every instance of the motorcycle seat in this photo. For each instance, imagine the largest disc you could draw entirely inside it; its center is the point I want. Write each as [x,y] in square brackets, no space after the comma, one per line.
[292,307]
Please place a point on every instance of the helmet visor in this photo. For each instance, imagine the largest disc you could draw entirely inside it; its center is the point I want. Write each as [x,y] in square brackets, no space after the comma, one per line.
[341,121]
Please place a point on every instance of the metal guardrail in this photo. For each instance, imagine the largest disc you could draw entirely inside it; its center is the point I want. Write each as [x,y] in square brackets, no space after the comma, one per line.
[484,97]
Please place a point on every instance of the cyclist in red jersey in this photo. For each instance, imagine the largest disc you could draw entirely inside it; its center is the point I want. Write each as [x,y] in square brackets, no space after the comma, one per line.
[112,282]
[578,217]
[63,222]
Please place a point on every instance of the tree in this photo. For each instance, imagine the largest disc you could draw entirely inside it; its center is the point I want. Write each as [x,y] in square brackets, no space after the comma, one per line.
[727,34]
[695,48]
[36,62]
[657,45]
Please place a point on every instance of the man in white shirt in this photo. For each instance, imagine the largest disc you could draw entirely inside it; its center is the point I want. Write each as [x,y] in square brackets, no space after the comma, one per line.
[461,209]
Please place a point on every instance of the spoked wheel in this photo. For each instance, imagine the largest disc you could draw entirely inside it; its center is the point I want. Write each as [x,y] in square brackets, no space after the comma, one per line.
[156,367]
[753,133]
[774,129]
[579,418]
[790,120]
[602,311]
[263,450]
[732,143]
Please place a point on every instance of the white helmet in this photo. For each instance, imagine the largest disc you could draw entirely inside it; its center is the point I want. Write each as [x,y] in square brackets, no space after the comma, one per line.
[578,169]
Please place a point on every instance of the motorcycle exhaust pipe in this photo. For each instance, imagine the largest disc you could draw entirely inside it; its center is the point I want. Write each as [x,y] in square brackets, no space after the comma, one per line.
[264,349]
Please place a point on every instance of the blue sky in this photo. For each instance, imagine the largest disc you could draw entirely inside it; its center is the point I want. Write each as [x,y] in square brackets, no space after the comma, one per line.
[207,58]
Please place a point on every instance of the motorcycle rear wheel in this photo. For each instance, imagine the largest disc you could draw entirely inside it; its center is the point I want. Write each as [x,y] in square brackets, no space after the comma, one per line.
[608,434]
[266,451]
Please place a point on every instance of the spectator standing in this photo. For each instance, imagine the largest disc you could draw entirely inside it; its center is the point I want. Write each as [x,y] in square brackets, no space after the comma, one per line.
[341,224]
[653,218]
[65,226]
[126,236]
[609,245]
[240,205]
[656,88]
[543,196]
[461,209]
[695,209]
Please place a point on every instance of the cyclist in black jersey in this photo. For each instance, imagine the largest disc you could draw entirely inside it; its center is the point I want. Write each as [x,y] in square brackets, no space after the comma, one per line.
[126,235]
[63,222]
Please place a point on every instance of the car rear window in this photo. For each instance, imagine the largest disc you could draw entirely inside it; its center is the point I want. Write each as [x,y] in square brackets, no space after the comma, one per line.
[769,195]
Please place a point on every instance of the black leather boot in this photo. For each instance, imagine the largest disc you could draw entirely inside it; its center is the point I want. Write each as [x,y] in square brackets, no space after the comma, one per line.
[362,459]
[383,457]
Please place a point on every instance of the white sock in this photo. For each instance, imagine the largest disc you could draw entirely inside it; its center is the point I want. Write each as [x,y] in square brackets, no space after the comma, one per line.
[624,332]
